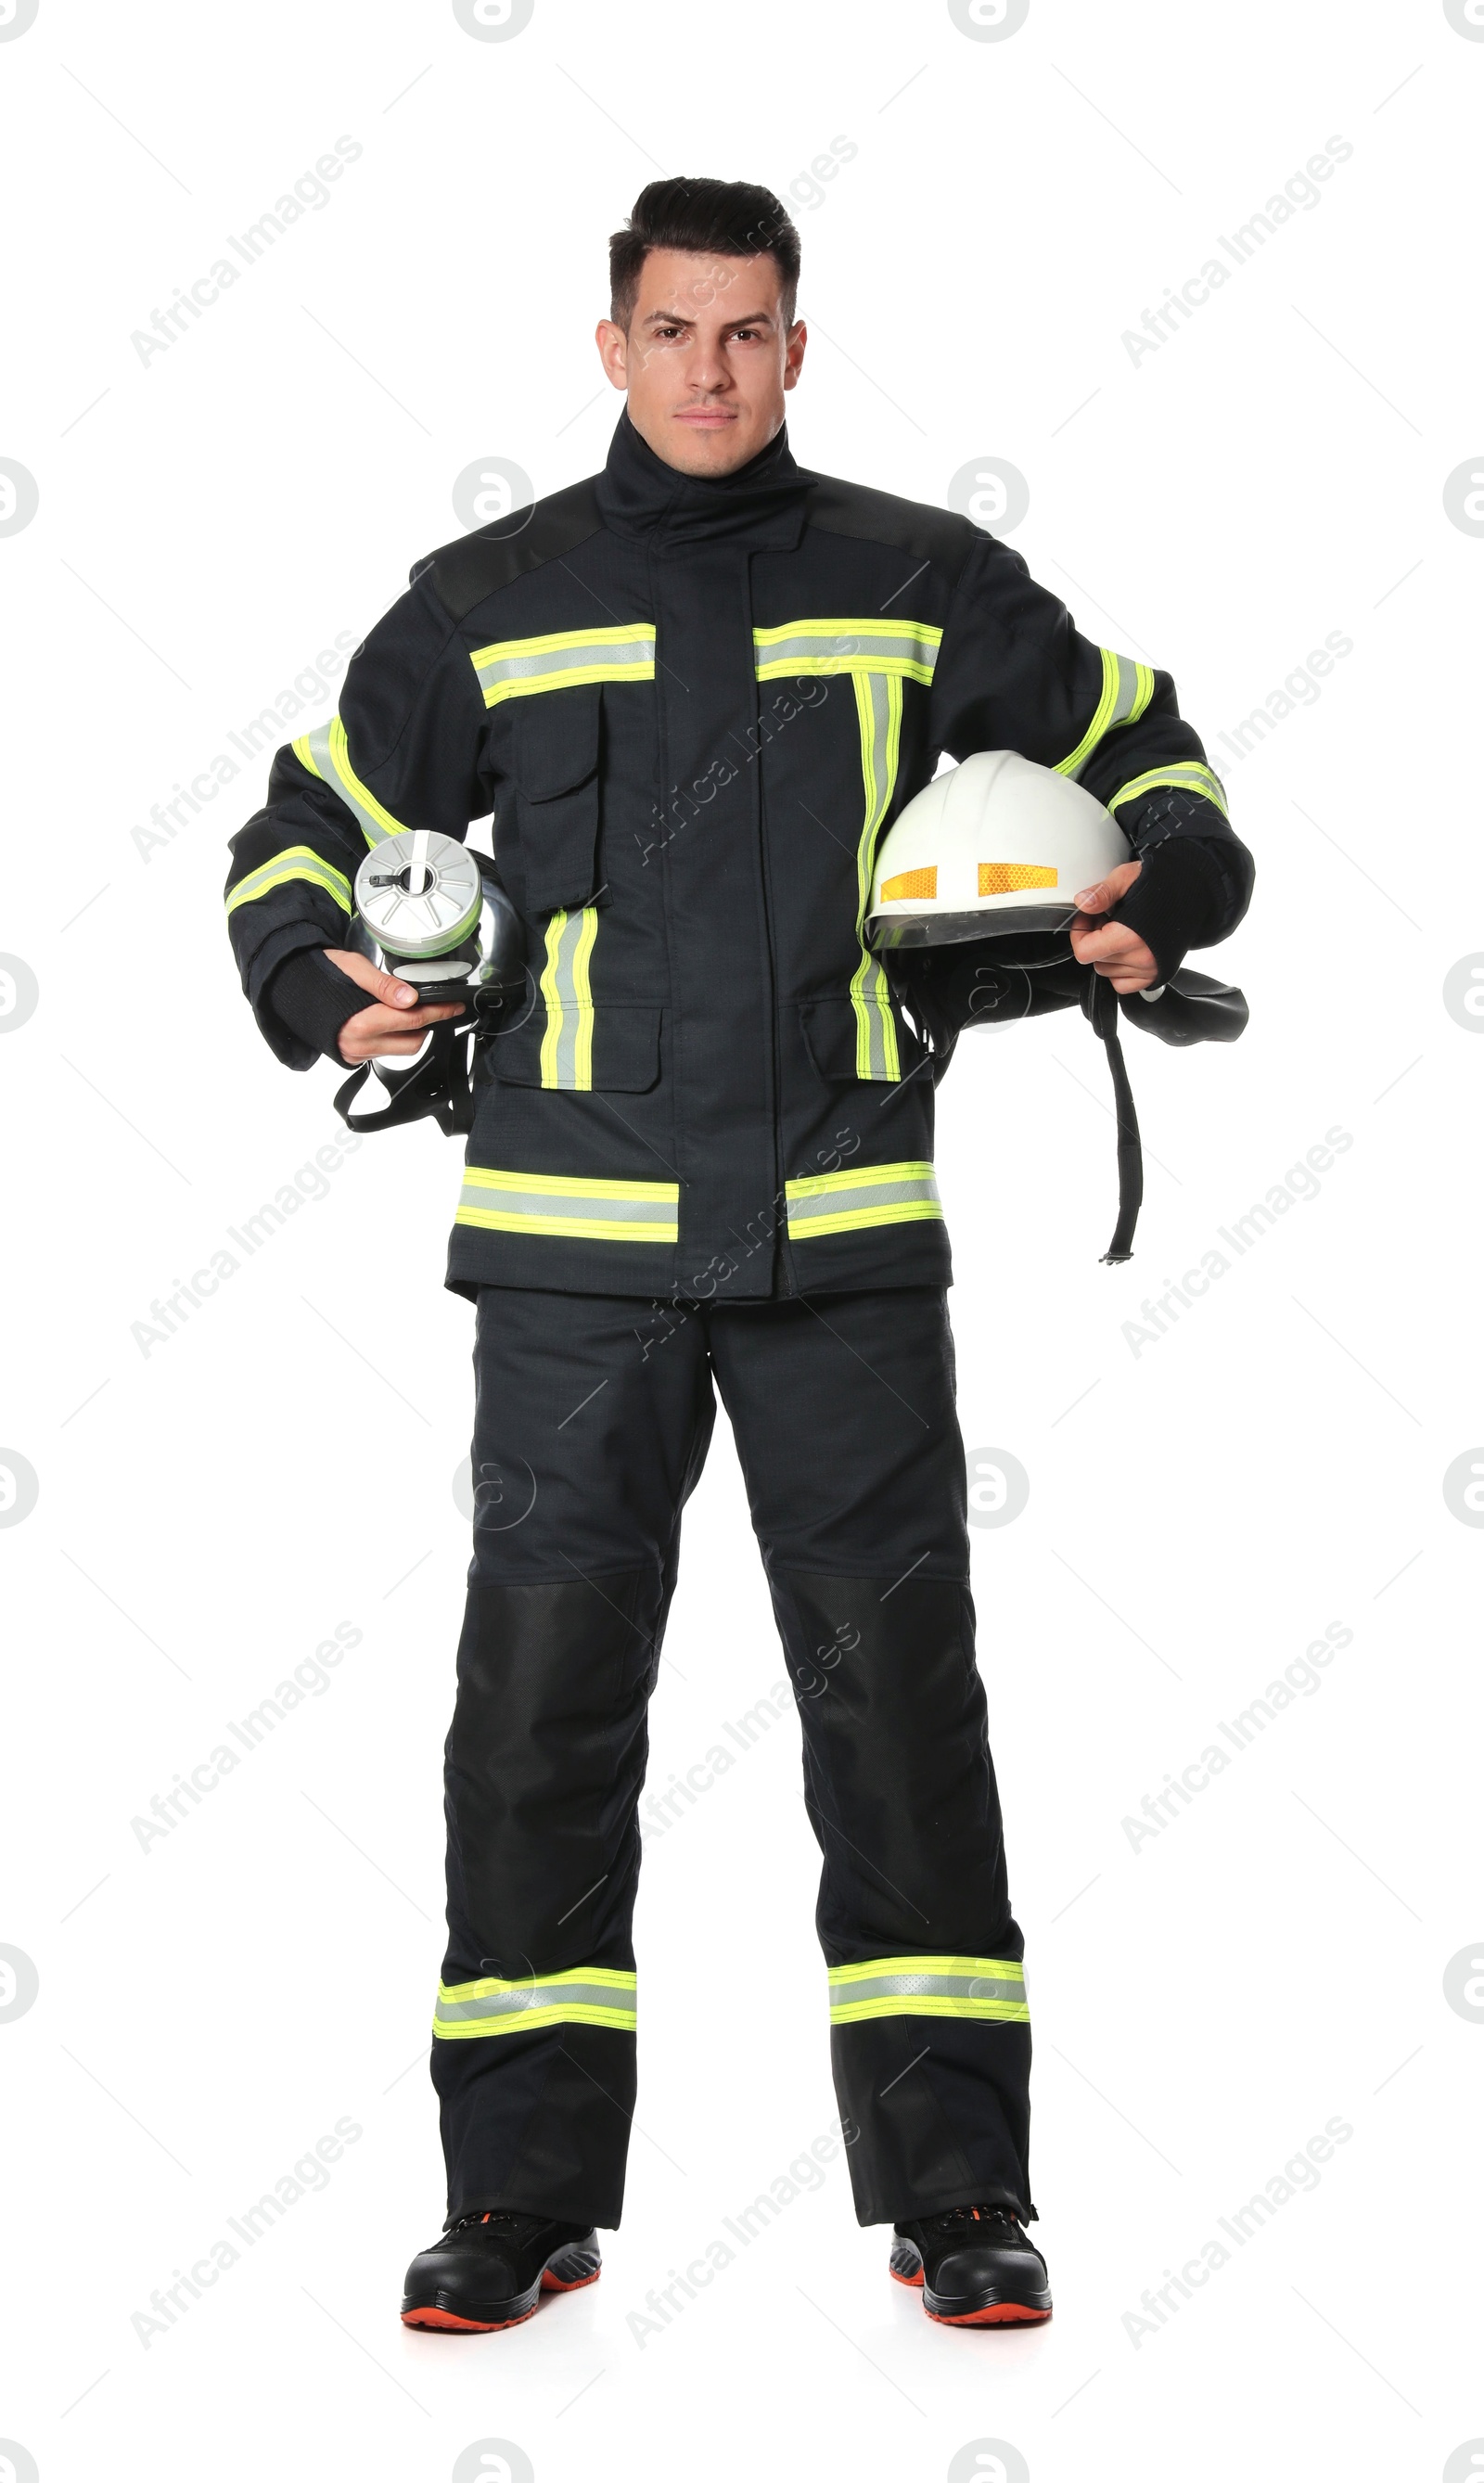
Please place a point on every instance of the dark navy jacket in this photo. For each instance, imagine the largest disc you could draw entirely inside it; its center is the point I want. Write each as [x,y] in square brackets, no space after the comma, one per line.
[693,708]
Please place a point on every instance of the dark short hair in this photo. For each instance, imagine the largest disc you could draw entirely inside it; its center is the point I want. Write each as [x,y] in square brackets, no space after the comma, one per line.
[731,218]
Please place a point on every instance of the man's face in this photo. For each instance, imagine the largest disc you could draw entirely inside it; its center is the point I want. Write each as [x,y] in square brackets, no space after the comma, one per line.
[706,358]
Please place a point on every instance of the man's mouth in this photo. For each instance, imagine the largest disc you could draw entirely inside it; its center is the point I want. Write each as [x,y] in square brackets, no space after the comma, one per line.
[706,417]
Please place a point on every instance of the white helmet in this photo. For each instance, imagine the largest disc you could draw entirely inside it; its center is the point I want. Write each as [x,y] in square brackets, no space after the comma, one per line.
[996,848]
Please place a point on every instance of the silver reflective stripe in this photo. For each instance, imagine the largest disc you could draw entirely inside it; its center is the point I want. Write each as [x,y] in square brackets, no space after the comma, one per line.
[582,1209]
[879,706]
[1127,689]
[566,1045]
[801,1211]
[1186,775]
[519,2001]
[519,667]
[545,1204]
[847,645]
[944,1986]
[296,861]
[326,750]
[930,1987]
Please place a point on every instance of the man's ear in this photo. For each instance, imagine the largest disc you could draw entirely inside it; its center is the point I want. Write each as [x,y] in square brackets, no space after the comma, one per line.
[613,352]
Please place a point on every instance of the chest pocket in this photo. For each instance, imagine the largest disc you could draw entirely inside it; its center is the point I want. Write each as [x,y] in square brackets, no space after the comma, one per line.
[555,740]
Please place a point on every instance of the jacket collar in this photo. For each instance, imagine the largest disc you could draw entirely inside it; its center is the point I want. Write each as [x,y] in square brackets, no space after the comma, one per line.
[762,504]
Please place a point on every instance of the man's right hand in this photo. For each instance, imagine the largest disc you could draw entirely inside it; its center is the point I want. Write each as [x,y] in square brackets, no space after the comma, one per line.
[394,1025]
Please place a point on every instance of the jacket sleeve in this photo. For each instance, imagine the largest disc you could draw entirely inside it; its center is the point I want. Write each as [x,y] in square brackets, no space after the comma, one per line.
[403,750]
[1013,674]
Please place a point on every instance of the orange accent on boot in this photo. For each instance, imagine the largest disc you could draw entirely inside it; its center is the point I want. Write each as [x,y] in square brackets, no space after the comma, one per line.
[567,2284]
[999,2314]
[449,2319]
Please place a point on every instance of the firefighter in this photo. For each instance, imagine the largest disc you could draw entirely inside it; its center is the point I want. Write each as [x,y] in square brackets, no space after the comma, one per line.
[694,690]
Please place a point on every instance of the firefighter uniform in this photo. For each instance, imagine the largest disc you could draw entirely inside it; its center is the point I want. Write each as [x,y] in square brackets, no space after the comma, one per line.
[702,1155]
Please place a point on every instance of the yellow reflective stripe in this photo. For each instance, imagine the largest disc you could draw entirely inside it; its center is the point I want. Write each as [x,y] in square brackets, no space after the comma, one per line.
[551,994]
[582,979]
[990,1988]
[1128,686]
[566,986]
[593,1996]
[866,1194]
[570,1206]
[906,650]
[325,753]
[878,711]
[565,659]
[1187,775]
[296,861]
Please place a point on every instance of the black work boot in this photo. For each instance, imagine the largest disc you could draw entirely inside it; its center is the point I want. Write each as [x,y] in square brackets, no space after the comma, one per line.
[977,2268]
[489,2270]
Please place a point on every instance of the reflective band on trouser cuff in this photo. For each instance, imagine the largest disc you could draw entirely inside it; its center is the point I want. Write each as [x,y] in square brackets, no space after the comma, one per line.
[1187,775]
[1126,690]
[841,1202]
[929,1986]
[518,667]
[325,753]
[879,709]
[567,1205]
[566,1045]
[908,648]
[296,861]
[590,1995]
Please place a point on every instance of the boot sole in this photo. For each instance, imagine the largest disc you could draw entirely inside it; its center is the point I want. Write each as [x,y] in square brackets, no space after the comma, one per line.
[567,2272]
[992,2311]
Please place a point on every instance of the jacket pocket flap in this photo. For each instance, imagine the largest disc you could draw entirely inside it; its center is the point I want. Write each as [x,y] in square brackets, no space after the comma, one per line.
[554,741]
[625,1052]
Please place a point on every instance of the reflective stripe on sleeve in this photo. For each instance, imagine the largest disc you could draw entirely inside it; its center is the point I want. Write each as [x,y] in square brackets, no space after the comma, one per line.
[929,1986]
[523,667]
[566,1045]
[1127,687]
[325,753]
[296,861]
[589,1995]
[569,1205]
[1187,774]
[844,1202]
[906,649]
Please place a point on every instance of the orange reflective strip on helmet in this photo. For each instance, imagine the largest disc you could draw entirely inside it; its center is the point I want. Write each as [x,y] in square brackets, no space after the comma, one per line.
[1003,878]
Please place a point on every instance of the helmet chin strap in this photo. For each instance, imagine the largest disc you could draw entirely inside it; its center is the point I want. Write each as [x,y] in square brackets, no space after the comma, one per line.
[436,1083]
[1100,1002]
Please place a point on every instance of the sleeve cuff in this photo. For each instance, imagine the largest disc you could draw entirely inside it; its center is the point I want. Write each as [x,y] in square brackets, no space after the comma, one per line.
[313,999]
[1176,902]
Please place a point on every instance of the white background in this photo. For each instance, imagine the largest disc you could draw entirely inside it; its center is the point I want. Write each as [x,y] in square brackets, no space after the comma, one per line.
[1199,1510]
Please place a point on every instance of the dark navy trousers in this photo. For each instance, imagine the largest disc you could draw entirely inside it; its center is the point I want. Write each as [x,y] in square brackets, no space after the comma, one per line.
[593,1416]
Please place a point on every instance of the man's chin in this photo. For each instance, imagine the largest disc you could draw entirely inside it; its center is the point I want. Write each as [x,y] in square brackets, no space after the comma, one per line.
[696,450]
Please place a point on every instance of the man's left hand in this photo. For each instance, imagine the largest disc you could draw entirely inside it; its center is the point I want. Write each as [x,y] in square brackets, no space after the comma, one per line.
[1115,951]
